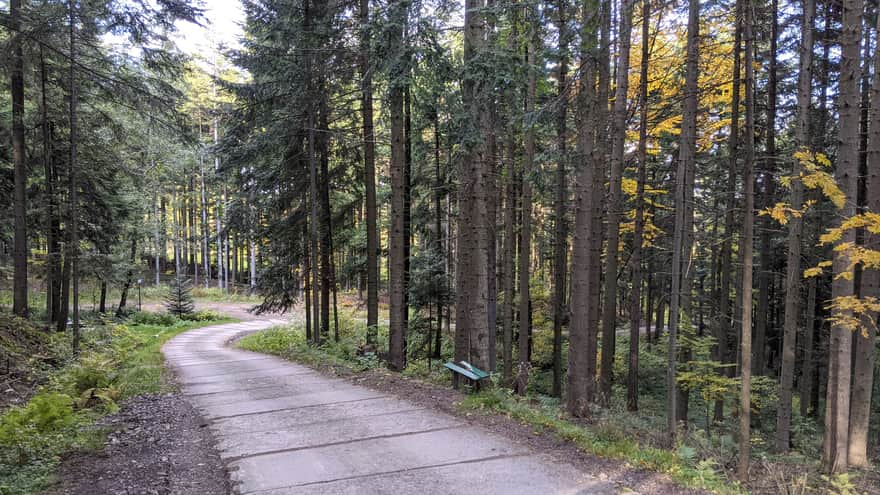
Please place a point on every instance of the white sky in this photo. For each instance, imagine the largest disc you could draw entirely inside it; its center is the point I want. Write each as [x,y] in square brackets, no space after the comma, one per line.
[222,25]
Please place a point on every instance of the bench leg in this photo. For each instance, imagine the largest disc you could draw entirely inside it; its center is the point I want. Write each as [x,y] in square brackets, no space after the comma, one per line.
[455,380]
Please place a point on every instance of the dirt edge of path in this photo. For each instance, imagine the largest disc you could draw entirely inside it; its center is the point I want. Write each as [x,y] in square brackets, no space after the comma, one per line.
[157,444]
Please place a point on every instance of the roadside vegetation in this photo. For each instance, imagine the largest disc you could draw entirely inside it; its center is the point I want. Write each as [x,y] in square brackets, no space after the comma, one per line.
[704,457]
[68,395]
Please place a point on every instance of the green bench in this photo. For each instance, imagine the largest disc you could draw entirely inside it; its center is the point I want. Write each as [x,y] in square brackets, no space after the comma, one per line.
[467,370]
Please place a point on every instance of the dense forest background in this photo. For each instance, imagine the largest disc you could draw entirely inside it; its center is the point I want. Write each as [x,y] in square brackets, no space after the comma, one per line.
[668,211]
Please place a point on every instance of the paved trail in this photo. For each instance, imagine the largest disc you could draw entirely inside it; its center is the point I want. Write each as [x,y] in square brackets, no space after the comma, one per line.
[283,428]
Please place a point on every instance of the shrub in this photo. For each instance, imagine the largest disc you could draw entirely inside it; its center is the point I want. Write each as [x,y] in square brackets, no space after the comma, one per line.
[148,318]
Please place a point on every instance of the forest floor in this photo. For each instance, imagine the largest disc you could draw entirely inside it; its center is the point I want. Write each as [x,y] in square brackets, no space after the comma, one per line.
[158,445]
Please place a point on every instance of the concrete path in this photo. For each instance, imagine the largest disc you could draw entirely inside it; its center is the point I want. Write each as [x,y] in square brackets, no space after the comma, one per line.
[283,428]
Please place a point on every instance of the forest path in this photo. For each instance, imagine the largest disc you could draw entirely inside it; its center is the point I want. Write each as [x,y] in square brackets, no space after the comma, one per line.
[283,428]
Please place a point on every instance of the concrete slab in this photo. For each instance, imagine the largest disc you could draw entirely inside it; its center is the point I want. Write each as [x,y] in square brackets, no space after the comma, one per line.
[332,432]
[505,476]
[287,402]
[286,429]
[362,458]
[305,416]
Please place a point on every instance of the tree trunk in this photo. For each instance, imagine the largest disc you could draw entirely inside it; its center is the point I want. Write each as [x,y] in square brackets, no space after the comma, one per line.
[206,250]
[369,176]
[746,248]
[53,256]
[582,335]
[525,249]
[74,182]
[129,278]
[560,244]
[687,150]
[725,328]
[836,442]
[795,235]
[615,202]
[397,236]
[635,312]
[865,338]
[471,308]
[767,199]
[19,162]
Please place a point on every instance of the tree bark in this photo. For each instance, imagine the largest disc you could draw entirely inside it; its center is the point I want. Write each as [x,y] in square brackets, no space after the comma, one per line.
[16,88]
[560,244]
[726,318]
[74,181]
[795,239]
[746,248]
[687,150]
[835,449]
[369,176]
[615,201]
[582,335]
[525,249]
[397,235]
[635,311]
[866,336]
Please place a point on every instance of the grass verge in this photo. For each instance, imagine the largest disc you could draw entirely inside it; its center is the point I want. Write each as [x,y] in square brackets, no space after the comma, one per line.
[118,360]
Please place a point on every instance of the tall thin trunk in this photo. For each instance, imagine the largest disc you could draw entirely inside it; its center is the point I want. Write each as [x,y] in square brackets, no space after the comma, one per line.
[687,150]
[19,158]
[397,236]
[768,181]
[582,335]
[635,312]
[808,344]
[725,328]
[615,202]
[74,182]
[795,235]
[837,415]
[369,175]
[746,248]
[866,337]
[525,250]
[206,250]
[53,257]
[129,278]
[560,244]
[438,240]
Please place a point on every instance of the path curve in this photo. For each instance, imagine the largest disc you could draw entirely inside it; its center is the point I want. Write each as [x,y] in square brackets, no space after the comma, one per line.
[285,429]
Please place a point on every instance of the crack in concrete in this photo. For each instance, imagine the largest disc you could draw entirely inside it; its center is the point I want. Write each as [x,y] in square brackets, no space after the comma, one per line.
[215,418]
[344,442]
[386,473]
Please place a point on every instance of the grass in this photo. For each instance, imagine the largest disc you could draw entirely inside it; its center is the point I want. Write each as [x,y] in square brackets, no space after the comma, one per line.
[604,441]
[118,360]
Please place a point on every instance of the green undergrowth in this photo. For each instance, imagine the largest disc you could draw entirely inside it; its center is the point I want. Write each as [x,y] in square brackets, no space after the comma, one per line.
[118,360]
[604,440]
